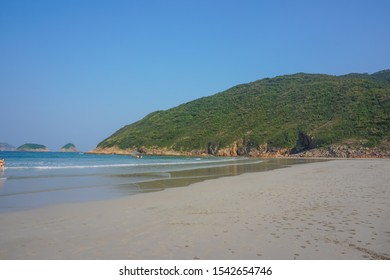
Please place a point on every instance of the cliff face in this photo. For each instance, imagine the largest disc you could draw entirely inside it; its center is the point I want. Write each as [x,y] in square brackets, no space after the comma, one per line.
[333,151]
[142,150]
[306,146]
[347,151]
[283,116]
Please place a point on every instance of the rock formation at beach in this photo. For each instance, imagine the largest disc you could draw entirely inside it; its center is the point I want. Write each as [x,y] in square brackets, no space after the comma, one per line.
[29,147]
[69,148]
[292,115]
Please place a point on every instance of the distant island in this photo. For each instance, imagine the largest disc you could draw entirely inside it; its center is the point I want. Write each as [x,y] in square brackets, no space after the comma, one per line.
[29,147]
[6,147]
[69,148]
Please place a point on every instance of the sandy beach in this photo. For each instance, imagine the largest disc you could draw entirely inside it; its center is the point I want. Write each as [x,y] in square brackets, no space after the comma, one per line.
[339,209]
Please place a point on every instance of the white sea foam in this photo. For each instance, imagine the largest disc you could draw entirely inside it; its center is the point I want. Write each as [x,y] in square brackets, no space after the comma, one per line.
[149,164]
[49,178]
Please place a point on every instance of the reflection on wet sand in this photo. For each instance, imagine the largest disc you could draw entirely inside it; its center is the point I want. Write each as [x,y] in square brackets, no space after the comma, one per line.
[188,177]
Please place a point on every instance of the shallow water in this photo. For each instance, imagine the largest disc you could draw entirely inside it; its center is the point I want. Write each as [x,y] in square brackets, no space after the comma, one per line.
[33,180]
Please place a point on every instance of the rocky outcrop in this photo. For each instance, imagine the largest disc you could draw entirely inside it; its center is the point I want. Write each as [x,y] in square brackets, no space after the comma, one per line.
[334,151]
[143,151]
[111,151]
[346,151]
[304,142]
[306,146]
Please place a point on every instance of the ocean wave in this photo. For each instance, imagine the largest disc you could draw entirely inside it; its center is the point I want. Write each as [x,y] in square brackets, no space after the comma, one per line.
[149,164]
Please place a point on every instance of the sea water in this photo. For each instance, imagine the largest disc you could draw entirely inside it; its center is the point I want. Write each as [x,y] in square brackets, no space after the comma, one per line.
[36,179]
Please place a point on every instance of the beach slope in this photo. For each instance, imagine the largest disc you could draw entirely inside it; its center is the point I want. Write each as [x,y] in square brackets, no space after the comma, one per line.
[338,209]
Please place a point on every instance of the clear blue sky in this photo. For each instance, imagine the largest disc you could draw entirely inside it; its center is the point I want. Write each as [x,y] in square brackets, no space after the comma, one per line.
[77,71]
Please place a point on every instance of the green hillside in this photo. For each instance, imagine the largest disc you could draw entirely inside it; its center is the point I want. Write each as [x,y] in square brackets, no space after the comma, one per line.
[70,147]
[32,147]
[294,112]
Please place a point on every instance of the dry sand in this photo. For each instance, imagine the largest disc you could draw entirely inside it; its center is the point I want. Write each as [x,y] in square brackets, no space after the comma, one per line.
[329,210]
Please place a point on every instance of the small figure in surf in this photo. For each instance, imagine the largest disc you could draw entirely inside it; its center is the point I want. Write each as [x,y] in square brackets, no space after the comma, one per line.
[2,162]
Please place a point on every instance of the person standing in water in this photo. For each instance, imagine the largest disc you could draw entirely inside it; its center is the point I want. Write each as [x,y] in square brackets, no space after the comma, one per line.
[2,162]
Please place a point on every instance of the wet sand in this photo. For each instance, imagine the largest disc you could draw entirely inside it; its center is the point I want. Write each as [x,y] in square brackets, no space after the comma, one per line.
[30,189]
[337,209]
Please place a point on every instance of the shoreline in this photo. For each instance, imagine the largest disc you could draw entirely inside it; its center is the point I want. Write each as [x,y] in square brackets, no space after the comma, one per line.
[330,152]
[35,190]
[337,209]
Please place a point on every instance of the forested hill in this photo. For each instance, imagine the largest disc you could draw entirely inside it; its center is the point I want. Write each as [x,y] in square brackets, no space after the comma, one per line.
[29,147]
[286,114]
